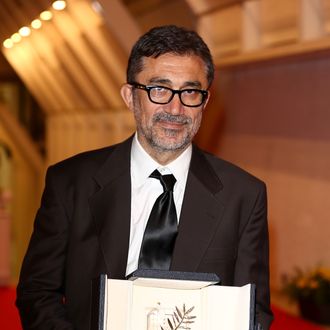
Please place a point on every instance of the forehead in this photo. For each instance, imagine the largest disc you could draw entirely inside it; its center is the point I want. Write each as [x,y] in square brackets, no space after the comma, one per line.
[175,69]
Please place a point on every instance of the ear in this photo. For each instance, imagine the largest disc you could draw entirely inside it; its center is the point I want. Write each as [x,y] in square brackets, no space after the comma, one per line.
[127,95]
[207,100]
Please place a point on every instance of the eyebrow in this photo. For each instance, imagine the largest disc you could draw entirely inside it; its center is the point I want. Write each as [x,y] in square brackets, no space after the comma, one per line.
[168,82]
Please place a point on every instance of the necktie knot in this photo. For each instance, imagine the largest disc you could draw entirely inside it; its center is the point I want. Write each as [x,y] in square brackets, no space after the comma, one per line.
[167,180]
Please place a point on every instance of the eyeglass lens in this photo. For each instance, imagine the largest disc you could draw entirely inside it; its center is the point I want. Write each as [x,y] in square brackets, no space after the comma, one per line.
[190,97]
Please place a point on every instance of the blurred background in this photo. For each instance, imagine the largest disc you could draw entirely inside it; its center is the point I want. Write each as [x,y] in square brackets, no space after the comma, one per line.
[61,67]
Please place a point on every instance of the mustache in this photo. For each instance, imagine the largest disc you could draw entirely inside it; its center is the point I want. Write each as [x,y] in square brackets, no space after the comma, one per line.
[179,119]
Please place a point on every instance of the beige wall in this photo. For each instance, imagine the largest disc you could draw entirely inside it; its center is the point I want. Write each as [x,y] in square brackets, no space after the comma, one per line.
[276,125]
[69,134]
[26,190]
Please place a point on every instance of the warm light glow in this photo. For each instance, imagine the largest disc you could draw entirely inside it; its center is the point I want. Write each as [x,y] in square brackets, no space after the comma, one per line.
[36,24]
[59,5]
[16,37]
[8,43]
[46,15]
[97,7]
[24,31]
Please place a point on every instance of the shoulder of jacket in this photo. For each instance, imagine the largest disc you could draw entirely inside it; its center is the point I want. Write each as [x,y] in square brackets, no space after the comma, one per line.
[87,161]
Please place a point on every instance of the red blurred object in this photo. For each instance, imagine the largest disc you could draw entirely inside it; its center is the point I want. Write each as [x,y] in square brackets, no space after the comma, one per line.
[9,318]
[285,321]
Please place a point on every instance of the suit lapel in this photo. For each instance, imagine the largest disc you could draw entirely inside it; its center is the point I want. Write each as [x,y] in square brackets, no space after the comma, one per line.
[200,215]
[111,209]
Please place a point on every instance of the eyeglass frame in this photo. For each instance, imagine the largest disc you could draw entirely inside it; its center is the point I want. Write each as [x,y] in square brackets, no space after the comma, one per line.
[148,89]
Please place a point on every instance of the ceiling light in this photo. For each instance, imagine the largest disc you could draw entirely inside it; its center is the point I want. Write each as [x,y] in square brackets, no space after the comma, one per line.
[24,31]
[97,7]
[59,5]
[36,24]
[16,37]
[46,15]
[8,43]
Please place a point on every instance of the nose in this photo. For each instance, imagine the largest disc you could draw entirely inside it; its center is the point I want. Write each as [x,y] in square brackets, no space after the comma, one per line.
[175,107]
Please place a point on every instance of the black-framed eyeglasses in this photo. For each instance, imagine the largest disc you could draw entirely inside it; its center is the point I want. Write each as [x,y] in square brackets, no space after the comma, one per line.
[189,97]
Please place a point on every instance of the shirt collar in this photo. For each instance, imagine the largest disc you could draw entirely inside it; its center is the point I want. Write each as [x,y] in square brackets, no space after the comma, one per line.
[142,164]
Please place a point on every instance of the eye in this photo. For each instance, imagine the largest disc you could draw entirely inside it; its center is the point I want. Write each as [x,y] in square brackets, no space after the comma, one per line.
[158,88]
[159,91]
[191,92]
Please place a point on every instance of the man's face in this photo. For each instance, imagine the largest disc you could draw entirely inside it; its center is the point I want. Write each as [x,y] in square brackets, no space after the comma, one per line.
[167,127]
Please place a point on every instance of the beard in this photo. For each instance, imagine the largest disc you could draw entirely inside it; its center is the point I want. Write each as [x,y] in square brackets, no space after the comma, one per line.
[165,139]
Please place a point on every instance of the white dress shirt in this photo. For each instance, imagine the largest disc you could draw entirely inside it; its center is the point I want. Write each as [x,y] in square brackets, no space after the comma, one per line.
[145,191]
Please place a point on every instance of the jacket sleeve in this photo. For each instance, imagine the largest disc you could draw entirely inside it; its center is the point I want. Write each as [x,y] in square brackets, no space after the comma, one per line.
[252,263]
[40,291]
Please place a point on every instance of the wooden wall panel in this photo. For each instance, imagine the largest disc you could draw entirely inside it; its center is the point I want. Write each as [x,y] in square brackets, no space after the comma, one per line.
[251,26]
[88,57]
[75,71]
[312,24]
[69,134]
[34,82]
[264,29]
[201,7]
[279,21]
[112,57]
[222,30]
[326,16]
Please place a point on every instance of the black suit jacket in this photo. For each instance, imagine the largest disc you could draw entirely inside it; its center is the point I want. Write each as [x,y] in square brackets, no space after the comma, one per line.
[82,230]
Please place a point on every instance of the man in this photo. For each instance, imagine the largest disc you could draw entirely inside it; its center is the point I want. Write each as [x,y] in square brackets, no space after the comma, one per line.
[96,205]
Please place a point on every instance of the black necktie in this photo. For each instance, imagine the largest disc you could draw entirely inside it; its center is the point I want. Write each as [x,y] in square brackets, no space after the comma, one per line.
[161,230]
